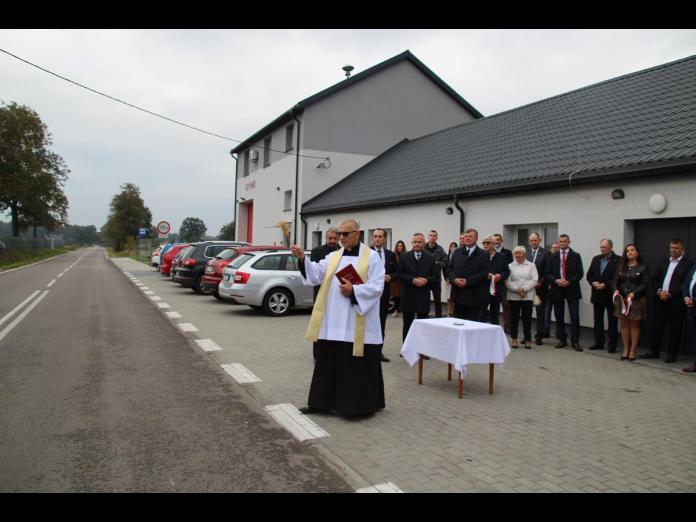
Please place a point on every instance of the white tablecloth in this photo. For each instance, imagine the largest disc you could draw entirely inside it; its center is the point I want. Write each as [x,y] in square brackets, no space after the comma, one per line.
[470,343]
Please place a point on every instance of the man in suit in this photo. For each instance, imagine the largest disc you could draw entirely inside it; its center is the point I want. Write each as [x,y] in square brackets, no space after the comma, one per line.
[417,271]
[601,272]
[668,304]
[540,257]
[498,269]
[324,250]
[467,272]
[389,260]
[689,292]
[441,261]
[507,254]
[564,274]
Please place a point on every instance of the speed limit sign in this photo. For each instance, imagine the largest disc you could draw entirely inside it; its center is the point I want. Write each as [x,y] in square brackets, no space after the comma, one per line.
[163,227]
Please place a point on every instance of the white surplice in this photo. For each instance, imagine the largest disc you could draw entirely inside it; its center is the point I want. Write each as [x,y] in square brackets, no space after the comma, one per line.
[339,318]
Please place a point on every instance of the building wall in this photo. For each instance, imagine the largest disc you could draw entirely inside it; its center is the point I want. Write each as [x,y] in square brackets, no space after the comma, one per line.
[587,214]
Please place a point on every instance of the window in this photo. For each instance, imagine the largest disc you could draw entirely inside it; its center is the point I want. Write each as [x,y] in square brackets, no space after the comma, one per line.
[247,153]
[547,231]
[229,253]
[288,137]
[268,263]
[267,152]
[291,263]
[287,200]
[316,239]
[241,260]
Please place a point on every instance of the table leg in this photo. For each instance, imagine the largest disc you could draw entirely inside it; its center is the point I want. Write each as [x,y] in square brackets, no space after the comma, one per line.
[490,378]
[449,371]
[420,369]
[460,386]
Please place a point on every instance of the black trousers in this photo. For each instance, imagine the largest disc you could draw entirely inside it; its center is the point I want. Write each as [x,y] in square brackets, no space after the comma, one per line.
[490,312]
[691,328]
[437,298]
[408,320]
[525,308]
[671,316]
[383,312]
[541,326]
[468,312]
[559,312]
[599,310]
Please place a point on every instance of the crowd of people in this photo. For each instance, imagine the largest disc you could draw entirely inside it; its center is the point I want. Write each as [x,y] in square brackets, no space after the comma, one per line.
[480,281]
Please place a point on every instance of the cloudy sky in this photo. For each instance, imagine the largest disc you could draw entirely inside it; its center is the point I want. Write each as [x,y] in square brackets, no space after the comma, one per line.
[233,82]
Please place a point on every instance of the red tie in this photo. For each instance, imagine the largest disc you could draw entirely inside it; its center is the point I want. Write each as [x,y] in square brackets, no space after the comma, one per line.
[563,266]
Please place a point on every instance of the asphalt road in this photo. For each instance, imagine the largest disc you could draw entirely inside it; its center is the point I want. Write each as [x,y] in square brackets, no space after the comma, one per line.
[100,393]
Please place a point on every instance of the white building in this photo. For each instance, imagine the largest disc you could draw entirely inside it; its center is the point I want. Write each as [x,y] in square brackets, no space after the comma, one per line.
[613,160]
[325,137]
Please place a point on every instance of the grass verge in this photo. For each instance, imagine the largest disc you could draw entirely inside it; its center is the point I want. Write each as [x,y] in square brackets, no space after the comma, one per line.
[16,258]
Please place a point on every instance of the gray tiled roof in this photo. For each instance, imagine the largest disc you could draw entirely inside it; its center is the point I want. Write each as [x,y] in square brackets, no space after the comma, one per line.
[629,125]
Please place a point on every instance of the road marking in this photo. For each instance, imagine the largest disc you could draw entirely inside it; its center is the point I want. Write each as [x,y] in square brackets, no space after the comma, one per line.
[240,373]
[60,275]
[174,315]
[155,298]
[164,305]
[387,487]
[20,305]
[49,285]
[300,426]
[19,318]
[148,292]
[208,345]
[187,327]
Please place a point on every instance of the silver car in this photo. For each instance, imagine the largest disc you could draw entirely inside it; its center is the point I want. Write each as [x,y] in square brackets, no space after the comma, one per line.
[266,280]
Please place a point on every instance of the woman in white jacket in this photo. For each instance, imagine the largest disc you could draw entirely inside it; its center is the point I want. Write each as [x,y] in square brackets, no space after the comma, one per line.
[521,283]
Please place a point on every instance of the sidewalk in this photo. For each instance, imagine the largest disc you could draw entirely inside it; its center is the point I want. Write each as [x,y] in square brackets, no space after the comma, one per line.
[559,420]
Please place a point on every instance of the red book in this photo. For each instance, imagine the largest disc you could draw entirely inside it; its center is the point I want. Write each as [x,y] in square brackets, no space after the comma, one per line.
[348,273]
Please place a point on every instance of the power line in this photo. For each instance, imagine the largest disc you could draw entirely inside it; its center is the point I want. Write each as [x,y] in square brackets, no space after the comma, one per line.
[144,110]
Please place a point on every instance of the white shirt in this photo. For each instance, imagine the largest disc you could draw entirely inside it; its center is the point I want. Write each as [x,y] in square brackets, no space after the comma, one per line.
[338,323]
[670,271]
[691,284]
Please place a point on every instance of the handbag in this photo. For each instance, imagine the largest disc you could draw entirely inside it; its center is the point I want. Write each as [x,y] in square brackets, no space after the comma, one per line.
[536,301]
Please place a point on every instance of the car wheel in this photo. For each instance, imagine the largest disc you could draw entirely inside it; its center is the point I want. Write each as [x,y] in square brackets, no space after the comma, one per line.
[277,302]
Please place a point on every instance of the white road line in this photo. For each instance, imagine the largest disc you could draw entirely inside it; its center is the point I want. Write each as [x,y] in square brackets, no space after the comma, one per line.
[164,305]
[20,305]
[60,275]
[49,285]
[187,327]
[14,323]
[174,315]
[148,292]
[240,373]
[208,345]
[387,487]
[155,298]
[300,426]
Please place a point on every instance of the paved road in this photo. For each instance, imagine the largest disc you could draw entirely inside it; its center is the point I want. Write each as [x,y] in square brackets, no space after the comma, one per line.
[559,420]
[98,392]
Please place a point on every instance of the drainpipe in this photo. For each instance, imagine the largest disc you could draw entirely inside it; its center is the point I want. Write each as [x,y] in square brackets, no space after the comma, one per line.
[297,177]
[304,232]
[461,213]
[234,214]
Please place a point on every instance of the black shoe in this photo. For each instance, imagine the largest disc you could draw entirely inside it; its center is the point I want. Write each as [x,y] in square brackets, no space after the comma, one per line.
[649,355]
[577,347]
[596,347]
[538,340]
[630,359]
[306,410]
[401,356]
[671,359]
[624,357]
[383,358]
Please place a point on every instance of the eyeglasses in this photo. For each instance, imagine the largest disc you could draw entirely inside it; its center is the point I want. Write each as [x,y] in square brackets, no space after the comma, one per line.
[486,242]
[346,233]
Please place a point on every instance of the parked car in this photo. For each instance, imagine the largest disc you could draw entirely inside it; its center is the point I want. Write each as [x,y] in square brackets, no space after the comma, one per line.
[266,280]
[177,260]
[214,267]
[155,259]
[168,257]
[189,273]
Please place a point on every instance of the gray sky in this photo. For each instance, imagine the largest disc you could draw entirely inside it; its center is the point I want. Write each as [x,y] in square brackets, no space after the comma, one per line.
[233,82]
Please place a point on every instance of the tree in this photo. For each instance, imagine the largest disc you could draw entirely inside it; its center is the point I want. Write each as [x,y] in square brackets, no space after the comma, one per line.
[227,232]
[192,229]
[31,176]
[76,234]
[128,215]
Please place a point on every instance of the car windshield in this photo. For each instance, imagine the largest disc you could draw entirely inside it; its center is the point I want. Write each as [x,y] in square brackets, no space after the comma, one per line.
[241,260]
[229,253]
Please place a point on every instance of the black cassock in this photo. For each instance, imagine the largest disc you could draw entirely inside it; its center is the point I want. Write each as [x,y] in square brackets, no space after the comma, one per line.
[342,383]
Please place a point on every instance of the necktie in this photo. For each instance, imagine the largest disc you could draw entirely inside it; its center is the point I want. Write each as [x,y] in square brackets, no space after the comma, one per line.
[535,254]
[563,265]
[418,256]
[380,253]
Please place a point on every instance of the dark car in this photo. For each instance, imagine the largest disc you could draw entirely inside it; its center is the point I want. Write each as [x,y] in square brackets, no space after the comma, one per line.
[213,270]
[192,265]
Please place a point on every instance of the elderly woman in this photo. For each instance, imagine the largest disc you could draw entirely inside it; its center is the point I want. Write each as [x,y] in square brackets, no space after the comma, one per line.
[521,284]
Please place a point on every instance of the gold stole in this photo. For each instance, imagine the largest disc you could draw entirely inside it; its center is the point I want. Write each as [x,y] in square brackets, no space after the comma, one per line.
[320,305]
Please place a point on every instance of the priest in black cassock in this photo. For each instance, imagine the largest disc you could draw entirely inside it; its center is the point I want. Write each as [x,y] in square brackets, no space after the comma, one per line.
[345,323]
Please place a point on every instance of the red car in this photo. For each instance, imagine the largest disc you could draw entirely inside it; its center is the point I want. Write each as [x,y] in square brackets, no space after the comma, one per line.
[213,270]
[166,261]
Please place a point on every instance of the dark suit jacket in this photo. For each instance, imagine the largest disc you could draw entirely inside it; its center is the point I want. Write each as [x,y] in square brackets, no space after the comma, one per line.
[507,254]
[594,274]
[497,265]
[474,269]
[686,291]
[416,299]
[574,273]
[541,262]
[390,268]
[317,254]
[676,283]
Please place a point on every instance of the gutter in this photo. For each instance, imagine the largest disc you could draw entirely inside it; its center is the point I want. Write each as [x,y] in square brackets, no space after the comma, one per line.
[234,212]
[297,178]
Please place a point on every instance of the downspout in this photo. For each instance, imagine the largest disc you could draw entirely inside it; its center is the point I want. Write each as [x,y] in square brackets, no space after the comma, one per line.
[236,174]
[461,213]
[297,178]
[304,232]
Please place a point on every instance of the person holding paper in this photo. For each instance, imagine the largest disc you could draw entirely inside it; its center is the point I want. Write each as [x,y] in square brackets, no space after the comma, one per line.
[629,287]
[345,323]
[498,272]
